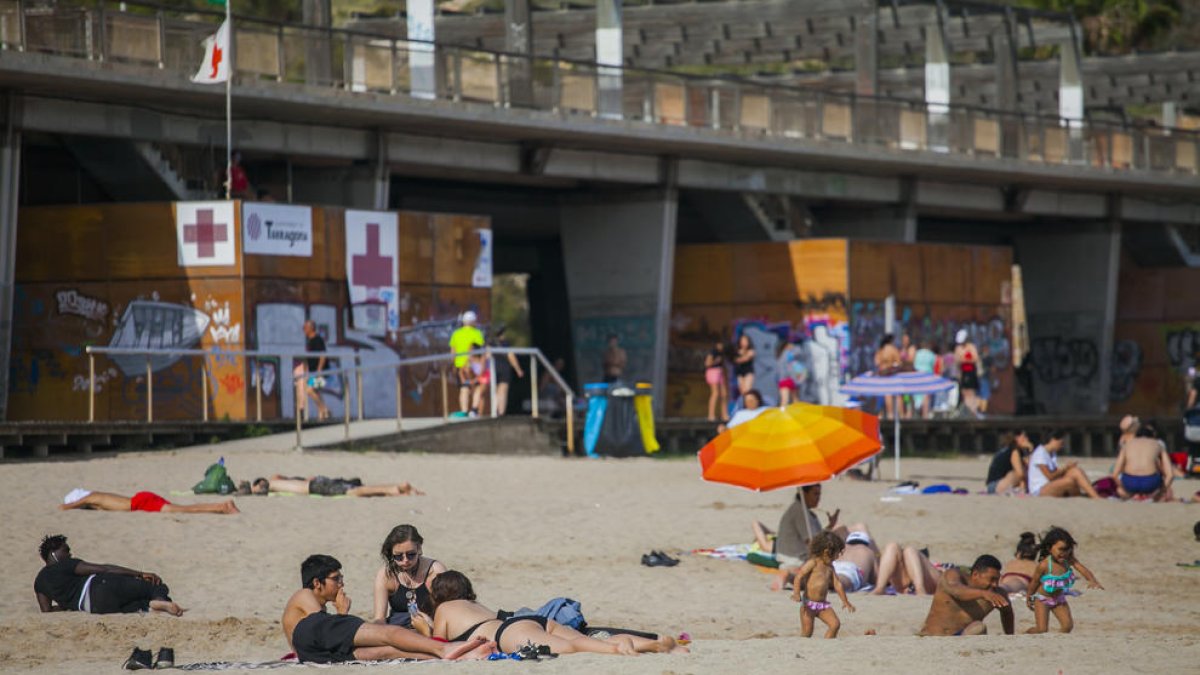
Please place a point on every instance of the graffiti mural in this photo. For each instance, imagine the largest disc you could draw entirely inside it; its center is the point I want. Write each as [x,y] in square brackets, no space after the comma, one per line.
[635,334]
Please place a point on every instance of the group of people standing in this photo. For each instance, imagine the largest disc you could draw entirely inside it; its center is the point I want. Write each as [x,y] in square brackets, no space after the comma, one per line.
[965,364]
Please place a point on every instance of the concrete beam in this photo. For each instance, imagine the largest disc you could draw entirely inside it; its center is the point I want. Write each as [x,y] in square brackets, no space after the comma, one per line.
[455,153]
[1142,210]
[603,166]
[1066,204]
[696,174]
[960,196]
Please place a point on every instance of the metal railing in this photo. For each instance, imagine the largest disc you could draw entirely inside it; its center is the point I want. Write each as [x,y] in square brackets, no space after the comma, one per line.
[343,373]
[169,39]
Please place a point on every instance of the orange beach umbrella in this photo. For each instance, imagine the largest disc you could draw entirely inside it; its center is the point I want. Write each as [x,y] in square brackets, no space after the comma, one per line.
[798,445]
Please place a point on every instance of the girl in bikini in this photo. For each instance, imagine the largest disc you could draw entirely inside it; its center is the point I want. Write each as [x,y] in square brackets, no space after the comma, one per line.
[814,579]
[1054,576]
[1019,571]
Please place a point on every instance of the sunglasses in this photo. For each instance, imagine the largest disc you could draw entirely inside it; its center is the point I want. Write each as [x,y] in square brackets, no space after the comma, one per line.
[336,578]
[406,555]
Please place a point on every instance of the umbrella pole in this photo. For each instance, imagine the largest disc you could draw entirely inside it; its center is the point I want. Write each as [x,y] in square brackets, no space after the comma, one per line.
[896,442]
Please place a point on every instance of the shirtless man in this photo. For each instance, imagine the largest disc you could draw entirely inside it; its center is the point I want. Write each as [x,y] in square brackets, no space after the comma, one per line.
[961,602]
[323,485]
[319,637]
[140,501]
[1143,467]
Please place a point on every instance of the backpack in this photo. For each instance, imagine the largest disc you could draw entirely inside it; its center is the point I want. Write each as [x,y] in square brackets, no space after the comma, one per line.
[216,482]
[1105,487]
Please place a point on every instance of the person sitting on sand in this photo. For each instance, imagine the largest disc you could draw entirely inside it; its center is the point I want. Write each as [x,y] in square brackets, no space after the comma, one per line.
[404,579]
[1015,576]
[812,586]
[68,584]
[319,637]
[1048,479]
[456,613]
[1009,466]
[1143,468]
[963,600]
[140,501]
[329,487]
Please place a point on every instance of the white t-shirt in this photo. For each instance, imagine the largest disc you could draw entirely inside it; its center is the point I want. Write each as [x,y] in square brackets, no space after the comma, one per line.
[1040,457]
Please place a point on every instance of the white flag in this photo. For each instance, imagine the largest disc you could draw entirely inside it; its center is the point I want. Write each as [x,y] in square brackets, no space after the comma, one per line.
[215,68]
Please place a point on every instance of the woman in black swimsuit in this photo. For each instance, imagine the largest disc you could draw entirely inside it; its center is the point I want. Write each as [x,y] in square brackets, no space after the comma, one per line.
[457,614]
[404,580]
[743,365]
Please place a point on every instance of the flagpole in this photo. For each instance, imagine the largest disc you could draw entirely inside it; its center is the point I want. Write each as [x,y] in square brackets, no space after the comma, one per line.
[229,105]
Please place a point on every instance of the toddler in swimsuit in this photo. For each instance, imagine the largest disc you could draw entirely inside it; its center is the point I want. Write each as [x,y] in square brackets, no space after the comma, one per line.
[1054,576]
[813,580]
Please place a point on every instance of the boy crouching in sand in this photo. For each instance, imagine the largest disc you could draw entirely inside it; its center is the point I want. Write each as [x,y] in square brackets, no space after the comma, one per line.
[814,579]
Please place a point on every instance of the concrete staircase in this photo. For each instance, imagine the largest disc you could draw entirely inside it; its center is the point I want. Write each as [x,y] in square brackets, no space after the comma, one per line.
[132,170]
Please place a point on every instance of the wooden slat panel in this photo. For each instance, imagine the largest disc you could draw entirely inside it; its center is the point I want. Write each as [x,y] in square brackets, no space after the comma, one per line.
[1141,293]
[947,273]
[991,274]
[416,248]
[870,270]
[703,274]
[61,243]
[1182,304]
[819,267]
[763,273]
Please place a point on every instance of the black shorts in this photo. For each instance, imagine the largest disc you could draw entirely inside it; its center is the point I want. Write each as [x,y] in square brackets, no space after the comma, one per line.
[326,638]
[119,594]
[969,381]
[332,487]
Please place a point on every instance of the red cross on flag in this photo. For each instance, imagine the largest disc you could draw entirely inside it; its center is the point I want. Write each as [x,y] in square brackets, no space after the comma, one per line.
[215,67]
[204,233]
[372,270]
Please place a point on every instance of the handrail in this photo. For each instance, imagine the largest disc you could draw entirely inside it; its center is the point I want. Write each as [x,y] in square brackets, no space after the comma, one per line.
[1100,153]
[343,373]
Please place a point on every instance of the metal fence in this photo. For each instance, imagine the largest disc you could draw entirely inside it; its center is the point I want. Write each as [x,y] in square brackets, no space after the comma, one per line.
[344,374]
[149,35]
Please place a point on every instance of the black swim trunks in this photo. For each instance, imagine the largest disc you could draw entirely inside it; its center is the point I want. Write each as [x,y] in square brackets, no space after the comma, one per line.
[321,637]
[331,487]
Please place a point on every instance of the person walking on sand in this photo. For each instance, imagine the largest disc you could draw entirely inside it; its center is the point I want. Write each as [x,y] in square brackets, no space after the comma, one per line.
[812,584]
[68,584]
[319,637]
[963,600]
[313,342]
[80,498]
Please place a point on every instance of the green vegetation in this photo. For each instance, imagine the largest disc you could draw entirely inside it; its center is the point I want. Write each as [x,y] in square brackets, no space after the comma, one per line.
[510,306]
[1122,26]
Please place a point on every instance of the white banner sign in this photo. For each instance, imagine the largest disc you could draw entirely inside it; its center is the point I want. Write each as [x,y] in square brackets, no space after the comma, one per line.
[372,270]
[276,229]
[482,277]
[204,233]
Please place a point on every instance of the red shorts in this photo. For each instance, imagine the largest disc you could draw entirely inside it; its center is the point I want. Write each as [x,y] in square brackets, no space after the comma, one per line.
[787,383]
[147,501]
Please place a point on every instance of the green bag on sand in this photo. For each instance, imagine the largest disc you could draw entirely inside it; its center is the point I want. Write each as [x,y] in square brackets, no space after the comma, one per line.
[216,482]
[762,559]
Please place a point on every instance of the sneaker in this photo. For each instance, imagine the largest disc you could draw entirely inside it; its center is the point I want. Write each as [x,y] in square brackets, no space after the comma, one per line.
[138,660]
[165,658]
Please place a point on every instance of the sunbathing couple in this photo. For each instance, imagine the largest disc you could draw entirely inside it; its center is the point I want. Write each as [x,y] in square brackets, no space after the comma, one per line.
[417,598]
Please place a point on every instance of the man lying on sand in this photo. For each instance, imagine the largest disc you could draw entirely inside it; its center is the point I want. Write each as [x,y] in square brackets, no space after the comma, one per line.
[68,584]
[319,637]
[962,601]
[140,501]
[329,487]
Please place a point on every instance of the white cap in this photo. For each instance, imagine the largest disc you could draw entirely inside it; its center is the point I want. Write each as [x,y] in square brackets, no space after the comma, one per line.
[961,336]
[469,317]
[75,495]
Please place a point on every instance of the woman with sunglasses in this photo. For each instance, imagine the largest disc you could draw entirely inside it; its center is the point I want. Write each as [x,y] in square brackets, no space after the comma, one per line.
[403,582]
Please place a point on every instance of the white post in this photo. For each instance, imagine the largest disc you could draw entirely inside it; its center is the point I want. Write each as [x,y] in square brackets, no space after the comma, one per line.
[896,441]
[229,105]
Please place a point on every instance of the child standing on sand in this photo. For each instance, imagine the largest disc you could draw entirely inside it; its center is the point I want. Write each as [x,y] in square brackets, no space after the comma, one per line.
[1054,576]
[814,579]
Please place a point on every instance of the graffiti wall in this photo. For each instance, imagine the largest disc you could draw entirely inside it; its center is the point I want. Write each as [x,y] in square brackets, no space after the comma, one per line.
[789,299]
[939,289]
[138,277]
[1156,339]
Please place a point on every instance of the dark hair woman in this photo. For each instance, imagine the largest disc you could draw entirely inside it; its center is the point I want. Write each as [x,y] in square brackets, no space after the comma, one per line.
[403,583]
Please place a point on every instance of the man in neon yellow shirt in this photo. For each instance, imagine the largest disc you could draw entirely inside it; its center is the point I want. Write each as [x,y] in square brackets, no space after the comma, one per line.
[462,340]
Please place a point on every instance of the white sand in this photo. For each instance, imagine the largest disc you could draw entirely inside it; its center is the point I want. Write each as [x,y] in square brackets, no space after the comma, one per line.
[527,529]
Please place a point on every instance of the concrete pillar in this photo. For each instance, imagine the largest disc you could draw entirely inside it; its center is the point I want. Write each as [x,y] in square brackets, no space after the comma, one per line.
[381,181]
[619,252]
[518,39]
[10,181]
[866,74]
[1071,316]
[937,88]
[318,48]
[1007,88]
[610,51]
[422,59]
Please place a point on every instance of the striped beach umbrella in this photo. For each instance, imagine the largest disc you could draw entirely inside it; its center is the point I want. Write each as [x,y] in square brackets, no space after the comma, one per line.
[900,384]
[798,445]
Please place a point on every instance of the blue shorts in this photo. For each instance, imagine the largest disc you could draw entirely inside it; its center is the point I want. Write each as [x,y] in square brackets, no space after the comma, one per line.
[1141,485]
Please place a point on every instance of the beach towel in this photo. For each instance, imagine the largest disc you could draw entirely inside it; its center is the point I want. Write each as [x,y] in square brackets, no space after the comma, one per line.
[272,665]
[730,552]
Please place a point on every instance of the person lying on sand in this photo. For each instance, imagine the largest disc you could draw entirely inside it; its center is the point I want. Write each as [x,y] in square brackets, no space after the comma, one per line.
[457,613]
[68,584]
[328,487]
[963,600]
[319,637]
[140,501]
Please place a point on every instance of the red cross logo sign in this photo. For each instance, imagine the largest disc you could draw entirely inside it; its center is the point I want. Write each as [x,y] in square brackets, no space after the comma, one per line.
[371,269]
[204,232]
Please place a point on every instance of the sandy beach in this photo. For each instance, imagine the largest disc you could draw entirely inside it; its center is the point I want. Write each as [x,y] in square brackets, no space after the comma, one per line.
[526,529]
